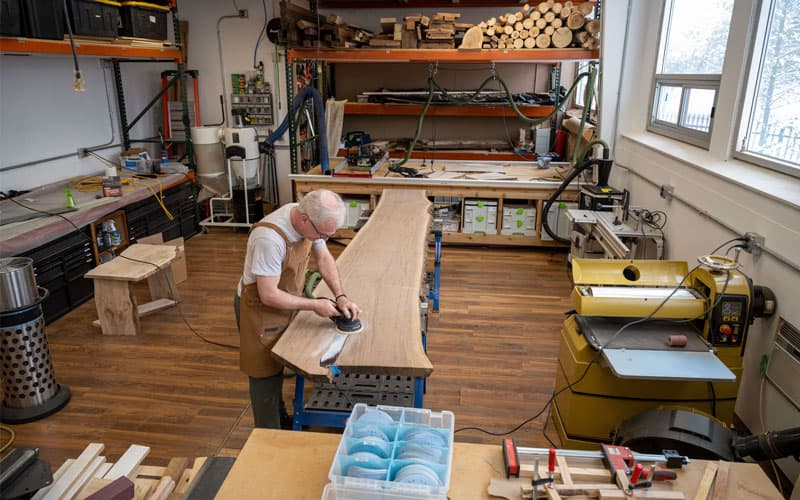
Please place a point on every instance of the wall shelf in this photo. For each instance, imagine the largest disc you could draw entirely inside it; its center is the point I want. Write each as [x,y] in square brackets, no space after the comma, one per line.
[368,108]
[441,55]
[456,155]
[87,48]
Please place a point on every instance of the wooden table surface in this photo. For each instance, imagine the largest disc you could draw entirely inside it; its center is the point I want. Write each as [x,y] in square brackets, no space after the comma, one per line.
[130,270]
[289,464]
[382,271]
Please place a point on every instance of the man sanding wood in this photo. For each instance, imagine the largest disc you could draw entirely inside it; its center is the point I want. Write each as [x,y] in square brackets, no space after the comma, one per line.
[270,292]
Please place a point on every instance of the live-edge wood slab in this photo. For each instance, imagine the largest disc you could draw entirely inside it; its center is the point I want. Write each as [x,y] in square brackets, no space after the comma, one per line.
[382,271]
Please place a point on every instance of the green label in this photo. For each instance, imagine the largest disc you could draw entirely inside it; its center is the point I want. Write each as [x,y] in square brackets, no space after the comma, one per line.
[481,204]
[519,223]
[480,218]
[353,203]
[520,211]
[562,205]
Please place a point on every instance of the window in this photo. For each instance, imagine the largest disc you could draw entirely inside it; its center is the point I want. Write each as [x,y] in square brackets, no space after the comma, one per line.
[769,132]
[691,52]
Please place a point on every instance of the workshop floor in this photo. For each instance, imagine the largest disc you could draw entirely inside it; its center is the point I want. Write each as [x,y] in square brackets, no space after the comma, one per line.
[493,346]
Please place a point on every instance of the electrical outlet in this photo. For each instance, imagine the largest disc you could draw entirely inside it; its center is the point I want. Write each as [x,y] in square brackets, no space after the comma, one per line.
[667,191]
[754,243]
[242,12]
[83,152]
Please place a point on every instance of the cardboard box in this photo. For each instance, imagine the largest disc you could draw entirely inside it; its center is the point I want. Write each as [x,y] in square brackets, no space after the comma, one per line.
[179,273]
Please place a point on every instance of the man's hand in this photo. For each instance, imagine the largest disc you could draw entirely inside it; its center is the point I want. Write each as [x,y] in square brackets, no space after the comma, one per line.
[349,308]
[324,308]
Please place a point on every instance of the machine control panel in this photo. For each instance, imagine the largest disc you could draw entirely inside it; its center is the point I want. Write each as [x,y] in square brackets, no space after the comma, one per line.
[729,320]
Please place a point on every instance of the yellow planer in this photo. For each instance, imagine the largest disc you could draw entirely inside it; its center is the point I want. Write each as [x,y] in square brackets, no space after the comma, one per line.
[648,334]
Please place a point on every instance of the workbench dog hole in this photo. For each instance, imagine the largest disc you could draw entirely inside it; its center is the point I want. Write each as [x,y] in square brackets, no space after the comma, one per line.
[631,273]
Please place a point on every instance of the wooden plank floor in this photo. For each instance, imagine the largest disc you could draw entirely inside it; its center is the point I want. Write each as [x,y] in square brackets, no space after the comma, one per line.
[493,346]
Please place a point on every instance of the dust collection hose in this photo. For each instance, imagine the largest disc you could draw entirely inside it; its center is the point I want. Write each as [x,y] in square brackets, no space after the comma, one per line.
[768,445]
[319,112]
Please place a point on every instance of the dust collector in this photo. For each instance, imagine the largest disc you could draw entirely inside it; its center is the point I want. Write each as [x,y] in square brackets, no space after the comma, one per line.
[30,390]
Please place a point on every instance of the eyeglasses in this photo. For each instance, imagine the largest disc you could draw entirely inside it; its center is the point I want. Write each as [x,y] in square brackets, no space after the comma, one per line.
[322,236]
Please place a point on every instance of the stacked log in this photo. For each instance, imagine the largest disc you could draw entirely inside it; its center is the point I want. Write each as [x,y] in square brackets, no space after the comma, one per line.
[550,24]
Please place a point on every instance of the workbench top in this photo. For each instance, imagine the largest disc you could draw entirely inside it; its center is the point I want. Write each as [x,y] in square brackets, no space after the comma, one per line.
[289,464]
[17,238]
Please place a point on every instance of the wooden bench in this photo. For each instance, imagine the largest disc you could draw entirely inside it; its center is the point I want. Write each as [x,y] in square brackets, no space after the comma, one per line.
[117,310]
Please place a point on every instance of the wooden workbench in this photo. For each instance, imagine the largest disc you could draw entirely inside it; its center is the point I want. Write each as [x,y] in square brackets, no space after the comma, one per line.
[287,464]
[532,185]
[382,271]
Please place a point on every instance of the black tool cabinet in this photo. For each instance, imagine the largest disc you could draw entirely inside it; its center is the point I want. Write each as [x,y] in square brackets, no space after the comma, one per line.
[146,217]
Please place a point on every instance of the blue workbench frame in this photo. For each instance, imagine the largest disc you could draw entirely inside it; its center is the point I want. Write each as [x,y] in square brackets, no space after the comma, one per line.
[338,419]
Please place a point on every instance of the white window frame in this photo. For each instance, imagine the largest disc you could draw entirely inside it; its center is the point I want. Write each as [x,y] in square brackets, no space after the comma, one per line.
[676,130]
[579,95]
[684,81]
[753,62]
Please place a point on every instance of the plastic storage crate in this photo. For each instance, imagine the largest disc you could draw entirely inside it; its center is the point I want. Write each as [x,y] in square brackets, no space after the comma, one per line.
[558,220]
[43,19]
[354,208]
[518,220]
[393,452]
[94,17]
[480,216]
[144,20]
[10,18]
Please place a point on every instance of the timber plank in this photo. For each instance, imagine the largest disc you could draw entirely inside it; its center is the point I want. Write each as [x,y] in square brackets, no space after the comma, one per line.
[382,271]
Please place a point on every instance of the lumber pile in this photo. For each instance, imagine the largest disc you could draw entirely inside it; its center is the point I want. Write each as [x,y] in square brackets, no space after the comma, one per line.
[550,24]
[440,31]
[302,28]
[91,476]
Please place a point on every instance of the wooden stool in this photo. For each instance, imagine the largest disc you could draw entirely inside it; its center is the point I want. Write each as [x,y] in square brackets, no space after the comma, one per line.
[113,287]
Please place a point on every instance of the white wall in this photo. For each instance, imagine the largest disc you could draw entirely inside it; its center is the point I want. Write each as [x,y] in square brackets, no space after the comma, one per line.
[238,38]
[723,198]
[45,115]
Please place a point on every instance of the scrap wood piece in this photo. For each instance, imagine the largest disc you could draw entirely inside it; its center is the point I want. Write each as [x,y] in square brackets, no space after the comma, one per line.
[707,481]
[491,176]
[128,462]
[75,471]
[473,39]
[163,489]
[721,482]
[85,478]
[186,479]
[460,167]
[648,493]
[387,289]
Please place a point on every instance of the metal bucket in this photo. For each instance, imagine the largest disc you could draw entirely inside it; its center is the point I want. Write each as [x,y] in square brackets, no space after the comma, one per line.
[17,283]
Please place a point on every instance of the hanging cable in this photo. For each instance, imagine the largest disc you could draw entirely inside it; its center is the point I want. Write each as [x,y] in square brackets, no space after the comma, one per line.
[78,83]
[260,35]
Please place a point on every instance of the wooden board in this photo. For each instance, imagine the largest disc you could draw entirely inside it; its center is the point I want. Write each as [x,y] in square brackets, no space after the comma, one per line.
[128,462]
[381,271]
[128,270]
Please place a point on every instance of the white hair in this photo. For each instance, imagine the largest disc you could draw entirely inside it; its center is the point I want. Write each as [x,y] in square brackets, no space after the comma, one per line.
[321,205]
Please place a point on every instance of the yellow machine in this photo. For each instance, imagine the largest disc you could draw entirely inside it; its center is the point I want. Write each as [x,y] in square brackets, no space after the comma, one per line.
[682,346]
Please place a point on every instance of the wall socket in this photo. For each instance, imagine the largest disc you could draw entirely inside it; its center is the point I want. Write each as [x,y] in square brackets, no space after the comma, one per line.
[754,243]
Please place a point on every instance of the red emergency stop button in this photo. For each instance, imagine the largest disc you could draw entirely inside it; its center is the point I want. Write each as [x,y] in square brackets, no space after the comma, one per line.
[725,329]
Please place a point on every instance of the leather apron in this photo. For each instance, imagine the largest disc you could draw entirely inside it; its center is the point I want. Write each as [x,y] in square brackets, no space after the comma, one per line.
[262,325]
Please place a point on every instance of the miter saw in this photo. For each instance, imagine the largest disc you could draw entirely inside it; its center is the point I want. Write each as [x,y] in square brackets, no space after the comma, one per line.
[648,334]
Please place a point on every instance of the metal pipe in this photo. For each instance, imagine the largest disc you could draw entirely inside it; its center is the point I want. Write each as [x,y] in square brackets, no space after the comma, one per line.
[222,63]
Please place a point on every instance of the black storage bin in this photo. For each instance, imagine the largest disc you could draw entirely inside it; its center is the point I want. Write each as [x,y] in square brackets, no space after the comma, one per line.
[94,17]
[143,20]
[43,19]
[10,18]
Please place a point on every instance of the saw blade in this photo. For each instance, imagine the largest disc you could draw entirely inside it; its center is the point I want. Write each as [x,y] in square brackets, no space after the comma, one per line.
[333,351]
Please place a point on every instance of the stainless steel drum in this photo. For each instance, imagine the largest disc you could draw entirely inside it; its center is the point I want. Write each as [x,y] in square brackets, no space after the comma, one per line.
[17,283]
[30,391]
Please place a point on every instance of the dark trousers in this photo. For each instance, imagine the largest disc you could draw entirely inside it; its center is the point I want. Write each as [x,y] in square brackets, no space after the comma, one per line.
[266,394]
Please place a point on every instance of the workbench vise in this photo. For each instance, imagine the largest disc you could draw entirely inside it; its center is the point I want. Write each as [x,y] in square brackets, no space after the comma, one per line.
[647,334]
